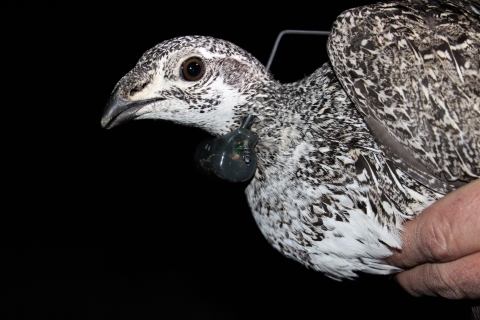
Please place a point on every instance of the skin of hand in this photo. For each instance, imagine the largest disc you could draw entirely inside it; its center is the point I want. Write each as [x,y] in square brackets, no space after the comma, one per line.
[441,248]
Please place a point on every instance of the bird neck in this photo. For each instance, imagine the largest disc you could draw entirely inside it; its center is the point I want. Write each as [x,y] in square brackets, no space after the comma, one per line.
[289,114]
[280,113]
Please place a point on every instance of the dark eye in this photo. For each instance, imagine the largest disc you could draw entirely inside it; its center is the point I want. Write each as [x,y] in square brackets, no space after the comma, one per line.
[193,69]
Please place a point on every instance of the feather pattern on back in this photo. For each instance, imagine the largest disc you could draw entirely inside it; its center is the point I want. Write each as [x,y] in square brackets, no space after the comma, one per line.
[413,70]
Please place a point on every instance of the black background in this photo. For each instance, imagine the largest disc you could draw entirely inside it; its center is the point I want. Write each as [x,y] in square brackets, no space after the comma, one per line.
[118,224]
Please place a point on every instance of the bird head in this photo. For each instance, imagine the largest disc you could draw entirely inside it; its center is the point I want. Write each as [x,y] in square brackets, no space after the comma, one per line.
[194,80]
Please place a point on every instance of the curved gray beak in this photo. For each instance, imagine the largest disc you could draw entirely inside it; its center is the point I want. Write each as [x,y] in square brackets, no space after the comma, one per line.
[118,110]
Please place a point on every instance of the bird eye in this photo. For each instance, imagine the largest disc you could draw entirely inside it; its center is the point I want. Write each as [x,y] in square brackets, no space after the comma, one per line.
[193,69]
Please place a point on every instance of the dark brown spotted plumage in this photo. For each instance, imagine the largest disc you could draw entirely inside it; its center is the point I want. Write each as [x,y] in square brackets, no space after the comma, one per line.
[412,68]
[347,154]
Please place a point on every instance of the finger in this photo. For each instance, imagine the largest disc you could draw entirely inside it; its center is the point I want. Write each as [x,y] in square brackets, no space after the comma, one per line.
[457,279]
[445,231]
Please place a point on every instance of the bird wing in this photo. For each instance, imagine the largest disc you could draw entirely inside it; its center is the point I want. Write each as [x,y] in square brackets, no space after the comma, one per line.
[412,69]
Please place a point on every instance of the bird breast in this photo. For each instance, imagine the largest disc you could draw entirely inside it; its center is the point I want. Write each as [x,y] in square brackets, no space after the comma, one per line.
[324,193]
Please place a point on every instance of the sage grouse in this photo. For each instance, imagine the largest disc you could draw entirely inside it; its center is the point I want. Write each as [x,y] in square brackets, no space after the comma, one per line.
[348,154]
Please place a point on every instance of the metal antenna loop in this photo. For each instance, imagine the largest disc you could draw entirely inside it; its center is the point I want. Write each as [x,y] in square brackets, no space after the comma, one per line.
[280,35]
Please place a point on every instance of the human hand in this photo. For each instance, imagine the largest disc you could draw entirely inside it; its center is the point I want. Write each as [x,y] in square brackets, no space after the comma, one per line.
[441,247]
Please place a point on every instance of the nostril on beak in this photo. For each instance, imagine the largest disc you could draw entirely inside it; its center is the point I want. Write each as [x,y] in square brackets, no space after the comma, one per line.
[138,88]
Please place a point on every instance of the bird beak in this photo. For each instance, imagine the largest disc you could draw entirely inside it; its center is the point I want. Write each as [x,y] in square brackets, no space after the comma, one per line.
[118,110]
